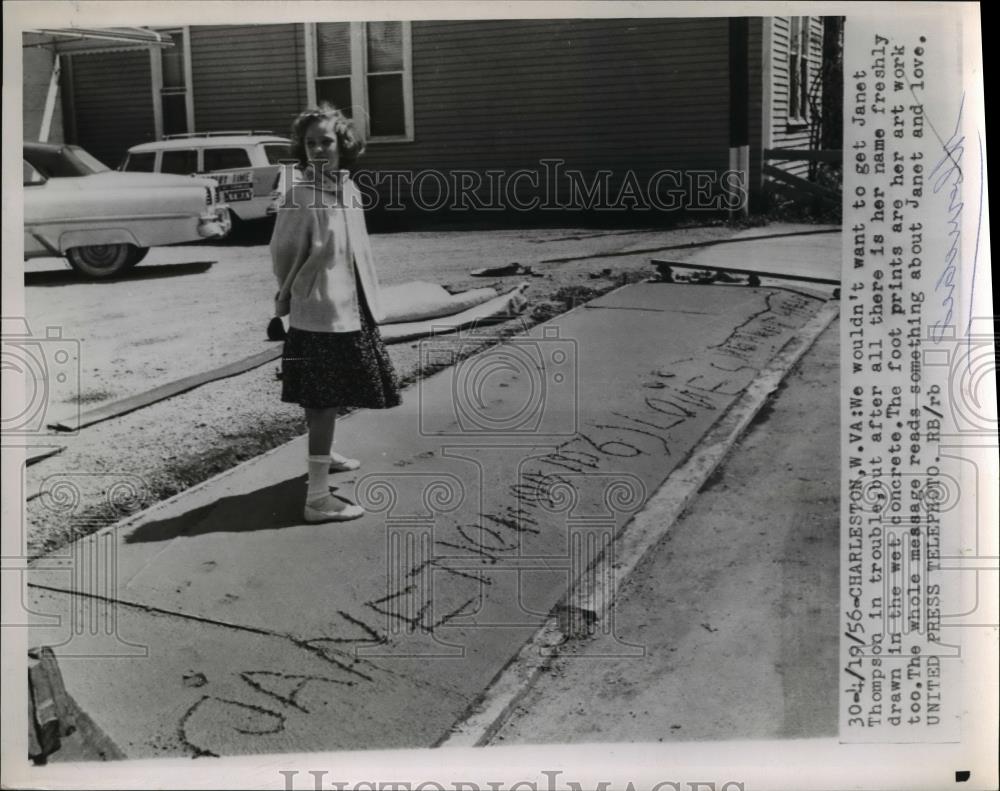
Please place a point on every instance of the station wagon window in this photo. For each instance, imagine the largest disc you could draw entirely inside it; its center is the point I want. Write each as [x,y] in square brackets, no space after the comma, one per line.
[364,69]
[225,159]
[276,153]
[798,70]
[182,162]
[141,163]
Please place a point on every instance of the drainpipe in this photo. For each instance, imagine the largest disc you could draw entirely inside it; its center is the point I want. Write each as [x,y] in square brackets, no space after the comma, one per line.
[739,107]
[50,100]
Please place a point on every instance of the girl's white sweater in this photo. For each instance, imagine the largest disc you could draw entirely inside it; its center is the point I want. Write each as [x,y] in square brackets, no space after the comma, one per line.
[320,240]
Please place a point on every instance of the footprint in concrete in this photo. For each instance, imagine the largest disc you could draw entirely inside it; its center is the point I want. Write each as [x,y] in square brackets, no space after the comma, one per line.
[194,679]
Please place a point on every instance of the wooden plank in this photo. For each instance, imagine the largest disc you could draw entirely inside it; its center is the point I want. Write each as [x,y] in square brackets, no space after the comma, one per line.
[46,714]
[88,743]
[808,155]
[801,184]
[132,403]
[65,709]
[36,454]
[686,246]
[171,389]
[72,735]
[35,752]
[730,270]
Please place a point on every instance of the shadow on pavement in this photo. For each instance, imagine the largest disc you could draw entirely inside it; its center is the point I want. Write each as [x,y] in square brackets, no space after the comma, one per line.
[273,507]
[65,277]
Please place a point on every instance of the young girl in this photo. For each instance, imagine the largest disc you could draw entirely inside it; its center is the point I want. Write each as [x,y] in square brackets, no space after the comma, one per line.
[333,354]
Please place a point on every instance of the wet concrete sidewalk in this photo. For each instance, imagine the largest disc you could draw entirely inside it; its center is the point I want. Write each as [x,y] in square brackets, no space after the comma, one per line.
[735,610]
[218,624]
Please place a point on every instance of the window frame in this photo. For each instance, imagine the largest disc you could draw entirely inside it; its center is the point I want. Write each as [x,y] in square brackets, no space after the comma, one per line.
[155,158]
[161,155]
[285,153]
[359,79]
[798,76]
[37,178]
[205,151]
[156,67]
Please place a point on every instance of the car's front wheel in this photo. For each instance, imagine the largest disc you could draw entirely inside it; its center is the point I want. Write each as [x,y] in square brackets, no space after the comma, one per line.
[105,260]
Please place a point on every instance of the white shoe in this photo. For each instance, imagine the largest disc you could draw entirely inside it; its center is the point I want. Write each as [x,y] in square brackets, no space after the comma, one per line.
[340,463]
[331,508]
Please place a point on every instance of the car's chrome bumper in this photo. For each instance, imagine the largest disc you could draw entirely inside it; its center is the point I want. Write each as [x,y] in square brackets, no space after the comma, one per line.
[215,223]
[272,207]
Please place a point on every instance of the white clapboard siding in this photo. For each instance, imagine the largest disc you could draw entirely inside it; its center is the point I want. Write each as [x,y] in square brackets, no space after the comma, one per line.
[784,134]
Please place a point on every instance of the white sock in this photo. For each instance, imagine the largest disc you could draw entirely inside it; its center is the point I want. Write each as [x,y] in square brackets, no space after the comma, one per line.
[319,478]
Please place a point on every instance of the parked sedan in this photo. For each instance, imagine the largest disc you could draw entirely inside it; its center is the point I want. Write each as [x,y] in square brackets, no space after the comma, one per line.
[105,221]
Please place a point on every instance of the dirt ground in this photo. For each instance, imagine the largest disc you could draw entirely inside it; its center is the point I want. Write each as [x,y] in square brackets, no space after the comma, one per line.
[189,309]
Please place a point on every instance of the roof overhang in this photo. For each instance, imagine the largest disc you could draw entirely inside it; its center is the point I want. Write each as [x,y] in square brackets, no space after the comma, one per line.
[89,41]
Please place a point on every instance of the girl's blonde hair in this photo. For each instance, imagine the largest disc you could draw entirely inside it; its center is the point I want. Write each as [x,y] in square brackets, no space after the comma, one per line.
[349,143]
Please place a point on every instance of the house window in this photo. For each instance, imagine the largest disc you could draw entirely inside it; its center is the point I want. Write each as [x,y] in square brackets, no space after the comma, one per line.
[798,71]
[333,65]
[364,69]
[173,105]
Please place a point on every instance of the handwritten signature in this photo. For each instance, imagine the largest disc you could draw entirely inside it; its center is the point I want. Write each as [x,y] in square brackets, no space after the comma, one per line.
[948,174]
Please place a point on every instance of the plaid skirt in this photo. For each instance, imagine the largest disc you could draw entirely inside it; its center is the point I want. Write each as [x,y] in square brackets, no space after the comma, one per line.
[323,370]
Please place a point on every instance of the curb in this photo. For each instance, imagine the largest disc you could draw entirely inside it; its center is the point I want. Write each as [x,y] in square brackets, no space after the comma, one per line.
[639,537]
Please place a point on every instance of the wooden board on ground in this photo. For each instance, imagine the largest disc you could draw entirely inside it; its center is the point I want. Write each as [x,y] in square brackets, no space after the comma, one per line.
[132,403]
[36,454]
[477,309]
